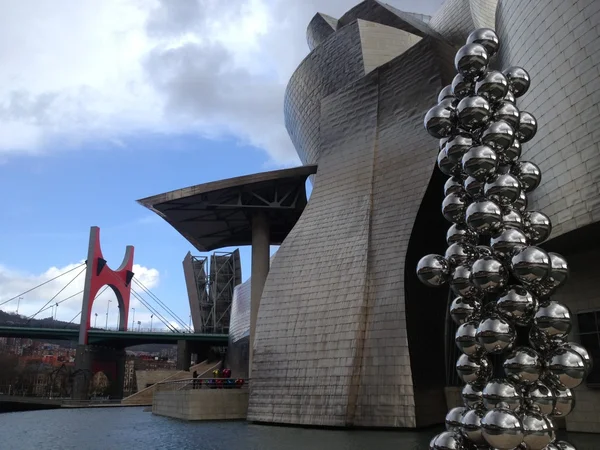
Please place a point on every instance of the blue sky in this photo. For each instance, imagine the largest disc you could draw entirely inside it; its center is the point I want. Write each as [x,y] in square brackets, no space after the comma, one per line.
[109,102]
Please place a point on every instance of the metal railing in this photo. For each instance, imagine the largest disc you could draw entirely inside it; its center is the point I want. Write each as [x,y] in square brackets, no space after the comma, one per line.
[202,383]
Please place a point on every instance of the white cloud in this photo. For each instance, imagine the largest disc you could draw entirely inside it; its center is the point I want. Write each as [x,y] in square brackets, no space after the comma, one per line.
[79,70]
[13,283]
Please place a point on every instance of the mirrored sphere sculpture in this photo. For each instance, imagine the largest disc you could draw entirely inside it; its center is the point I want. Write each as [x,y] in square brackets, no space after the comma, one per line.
[540,396]
[466,341]
[471,60]
[462,310]
[454,185]
[498,391]
[446,93]
[587,359]
[461,284]
[563,445]
[440,120]
[484,217]
[531,265]
[448,440]
[489,274]
[511,154]
[433,270]
[527,127]
[472,396]
[471,426]
[508,112]
[511,217]
[528,174]
[566,367]
[498,136]
[523,365]
[486,37]
[537,226]
[446,165]
[460,253]
[462,87]
[518,80]
[453,418]
[517,305]
[480,162]
[521,203]
[457,146]
[565,402]
[502,429]
[460,233]
[495,334]
[502,189]
[474,187]
[473,370]
[492,86]
[454,207]
[472,112]
[509,242]
[537,430]
[553,320]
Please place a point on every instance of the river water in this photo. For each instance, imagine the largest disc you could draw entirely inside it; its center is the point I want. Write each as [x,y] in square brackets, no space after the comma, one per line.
[132,429]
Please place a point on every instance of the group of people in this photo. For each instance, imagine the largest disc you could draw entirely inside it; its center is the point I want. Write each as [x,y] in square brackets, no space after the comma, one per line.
[221,380]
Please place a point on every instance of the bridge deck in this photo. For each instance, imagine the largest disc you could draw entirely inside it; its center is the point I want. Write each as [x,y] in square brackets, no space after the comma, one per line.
[112,338]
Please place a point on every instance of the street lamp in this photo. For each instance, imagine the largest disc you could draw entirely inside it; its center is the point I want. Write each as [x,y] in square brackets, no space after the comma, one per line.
[139,324]
[18,303]
[55,311]
[133,319]
[190,323]
[95,319]
[107,306]
[151,317]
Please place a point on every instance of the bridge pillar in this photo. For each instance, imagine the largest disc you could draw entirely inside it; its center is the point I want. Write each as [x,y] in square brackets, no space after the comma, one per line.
[184,355]
[91,359]
[260,270]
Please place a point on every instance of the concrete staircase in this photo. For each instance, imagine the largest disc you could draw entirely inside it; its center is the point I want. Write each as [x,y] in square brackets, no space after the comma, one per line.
[144,397]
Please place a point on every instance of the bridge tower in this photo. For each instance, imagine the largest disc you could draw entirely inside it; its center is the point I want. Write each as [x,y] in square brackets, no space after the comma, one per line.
[90,359]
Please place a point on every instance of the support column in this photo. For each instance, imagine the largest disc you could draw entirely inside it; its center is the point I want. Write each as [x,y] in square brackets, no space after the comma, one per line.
[184,355]
[260,270]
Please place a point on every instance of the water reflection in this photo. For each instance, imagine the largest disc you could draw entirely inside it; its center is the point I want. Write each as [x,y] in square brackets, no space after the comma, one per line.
[132,428]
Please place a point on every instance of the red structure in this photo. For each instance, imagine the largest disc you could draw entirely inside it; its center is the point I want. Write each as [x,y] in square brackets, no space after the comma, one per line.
[98,275]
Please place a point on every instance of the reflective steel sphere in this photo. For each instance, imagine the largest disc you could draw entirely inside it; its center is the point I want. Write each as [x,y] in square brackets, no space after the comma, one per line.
[453,418]
[484,217]
[502,189]
[563,445]
[537,226]
[510,97]
[565,402]
[527,127]
[523,365]
[553,320]
[508,112]
[486,37]
[472,396]
[531,265]
[489,274]
[472,112]
[517,305]
[474,187]
[511,217]
[433,270]
[509,242]
[460,253]
[454,208]
[446,93]
[442,143]
[587,359]
[495,334]
[462,87]
[461,283]
[501,391]
[454,186]
[466,341]
[440,120]
[483,251]
[462,309]
[457,146]
[543,343]
[559,271]
[528,173]
[498,136]
[448,440]
[511,154]
[445,165]
[518,80]
[566,367]
[540,396]
[537,430]
[471,426]
[461,233]
[521,203]
[480,162]
[492,86]
[502,429]
[473,370]
[471,60]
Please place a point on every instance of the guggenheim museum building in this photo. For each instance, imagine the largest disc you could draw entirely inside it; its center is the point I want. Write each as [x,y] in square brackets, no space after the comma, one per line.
[336,329]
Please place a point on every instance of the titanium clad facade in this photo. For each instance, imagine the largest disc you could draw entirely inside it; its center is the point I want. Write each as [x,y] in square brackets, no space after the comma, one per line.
[457,18]
[239,331]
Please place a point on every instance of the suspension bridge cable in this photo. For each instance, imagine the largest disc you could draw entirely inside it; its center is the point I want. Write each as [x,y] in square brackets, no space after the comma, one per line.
[57,294]
[71,321]
[39,285]
[152,310]
[144,288]
[79,313]
[63,300]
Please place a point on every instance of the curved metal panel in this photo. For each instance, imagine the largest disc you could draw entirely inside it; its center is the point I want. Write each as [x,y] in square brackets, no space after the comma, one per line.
[457,18]
[558,43]
[319,28]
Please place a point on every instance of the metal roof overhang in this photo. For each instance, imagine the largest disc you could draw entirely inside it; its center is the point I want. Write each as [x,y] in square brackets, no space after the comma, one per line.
[219,214]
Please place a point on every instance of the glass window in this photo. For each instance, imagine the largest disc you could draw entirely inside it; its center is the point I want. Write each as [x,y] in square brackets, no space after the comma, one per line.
[589,337]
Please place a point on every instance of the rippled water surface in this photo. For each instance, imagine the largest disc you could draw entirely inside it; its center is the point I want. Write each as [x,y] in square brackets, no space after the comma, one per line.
[132,428]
